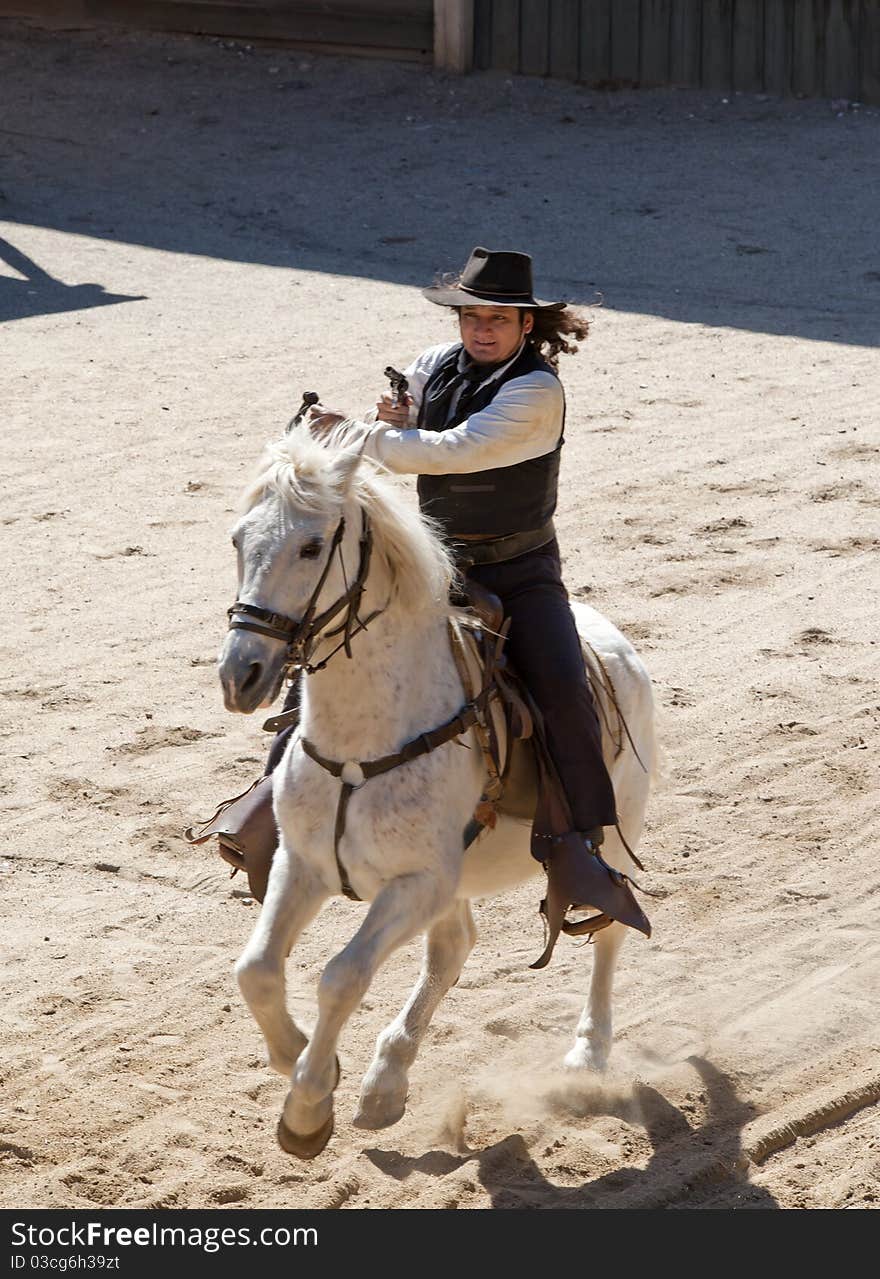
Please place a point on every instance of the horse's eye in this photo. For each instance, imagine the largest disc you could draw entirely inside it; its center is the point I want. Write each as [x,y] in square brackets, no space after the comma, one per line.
[312,549]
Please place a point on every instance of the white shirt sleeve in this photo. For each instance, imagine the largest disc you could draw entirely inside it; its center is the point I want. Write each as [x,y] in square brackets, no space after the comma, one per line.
[523,420]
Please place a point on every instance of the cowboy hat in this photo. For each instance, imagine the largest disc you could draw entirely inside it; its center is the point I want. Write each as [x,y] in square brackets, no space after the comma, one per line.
[492,278]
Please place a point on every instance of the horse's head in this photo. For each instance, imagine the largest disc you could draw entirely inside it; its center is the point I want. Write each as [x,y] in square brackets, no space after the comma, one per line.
[298,553]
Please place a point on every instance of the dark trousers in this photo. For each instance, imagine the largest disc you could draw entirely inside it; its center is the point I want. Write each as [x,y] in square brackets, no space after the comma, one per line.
[544,647]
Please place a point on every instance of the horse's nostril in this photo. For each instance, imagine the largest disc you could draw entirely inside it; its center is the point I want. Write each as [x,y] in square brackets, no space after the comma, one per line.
[252,677]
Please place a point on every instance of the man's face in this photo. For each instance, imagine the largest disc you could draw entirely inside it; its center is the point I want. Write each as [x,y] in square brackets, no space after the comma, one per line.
[492,334]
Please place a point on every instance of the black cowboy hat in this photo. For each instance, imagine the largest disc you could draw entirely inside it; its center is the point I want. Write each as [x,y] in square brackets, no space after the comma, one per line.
[492,278]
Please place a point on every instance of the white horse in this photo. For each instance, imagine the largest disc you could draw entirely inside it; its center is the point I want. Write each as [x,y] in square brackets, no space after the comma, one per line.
[401,846]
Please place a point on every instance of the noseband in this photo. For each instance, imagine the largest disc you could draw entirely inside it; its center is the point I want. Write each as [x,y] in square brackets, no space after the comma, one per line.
[301,636]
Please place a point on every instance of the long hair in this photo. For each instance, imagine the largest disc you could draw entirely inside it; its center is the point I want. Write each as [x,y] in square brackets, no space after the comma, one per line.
[557,332]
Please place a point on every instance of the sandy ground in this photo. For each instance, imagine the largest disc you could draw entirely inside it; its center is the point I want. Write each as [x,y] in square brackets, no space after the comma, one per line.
[193,234]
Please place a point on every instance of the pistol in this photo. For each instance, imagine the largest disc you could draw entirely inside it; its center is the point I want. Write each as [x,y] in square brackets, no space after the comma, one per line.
[399,385]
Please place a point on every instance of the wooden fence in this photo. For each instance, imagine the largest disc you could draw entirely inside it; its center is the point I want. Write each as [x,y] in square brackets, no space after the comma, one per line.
[387,28]
[814,48]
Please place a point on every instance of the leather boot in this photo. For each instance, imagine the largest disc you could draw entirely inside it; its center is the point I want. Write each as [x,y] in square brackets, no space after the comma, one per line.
[246,834]
[577,876]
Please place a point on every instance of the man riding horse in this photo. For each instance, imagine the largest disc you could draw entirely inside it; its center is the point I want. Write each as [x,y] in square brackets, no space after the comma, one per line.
[482,427]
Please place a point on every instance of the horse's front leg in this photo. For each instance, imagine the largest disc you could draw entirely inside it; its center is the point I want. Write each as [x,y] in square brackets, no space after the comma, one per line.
[592,1043]
[293,898]
[386,1083]
[402,909]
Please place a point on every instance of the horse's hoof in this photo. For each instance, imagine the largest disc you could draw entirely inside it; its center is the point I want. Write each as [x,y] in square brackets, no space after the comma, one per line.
[376,1118]
[308,1146]
[585,1059]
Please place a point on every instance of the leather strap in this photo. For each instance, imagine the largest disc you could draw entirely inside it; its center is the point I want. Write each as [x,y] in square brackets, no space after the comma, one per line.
[338,832]
[460,724]
[498,549]
[284,719]
[275,625]
[421,745]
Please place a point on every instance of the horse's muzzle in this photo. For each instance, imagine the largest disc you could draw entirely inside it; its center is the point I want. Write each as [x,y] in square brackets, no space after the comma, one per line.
[251,670]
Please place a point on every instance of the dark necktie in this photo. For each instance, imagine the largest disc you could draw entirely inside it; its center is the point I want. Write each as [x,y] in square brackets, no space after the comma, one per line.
[468,380]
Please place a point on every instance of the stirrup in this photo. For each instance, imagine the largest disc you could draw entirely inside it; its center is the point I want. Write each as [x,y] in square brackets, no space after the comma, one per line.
[578,876]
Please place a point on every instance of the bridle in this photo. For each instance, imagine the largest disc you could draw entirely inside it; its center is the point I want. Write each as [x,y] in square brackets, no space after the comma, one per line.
[302,635]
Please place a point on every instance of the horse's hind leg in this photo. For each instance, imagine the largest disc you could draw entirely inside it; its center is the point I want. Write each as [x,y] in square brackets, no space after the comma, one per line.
[403,908]
[293,898]
[593,1036]
[447,946]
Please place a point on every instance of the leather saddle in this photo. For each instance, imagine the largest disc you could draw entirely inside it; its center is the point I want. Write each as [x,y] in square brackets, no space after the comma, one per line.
[524,784]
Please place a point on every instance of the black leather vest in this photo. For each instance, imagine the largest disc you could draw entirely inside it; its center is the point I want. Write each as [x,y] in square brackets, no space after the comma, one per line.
[497,502]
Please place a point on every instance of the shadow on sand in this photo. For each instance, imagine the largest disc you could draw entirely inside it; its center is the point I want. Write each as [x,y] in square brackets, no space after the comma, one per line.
[749,215]
[39,293]
[690,1167]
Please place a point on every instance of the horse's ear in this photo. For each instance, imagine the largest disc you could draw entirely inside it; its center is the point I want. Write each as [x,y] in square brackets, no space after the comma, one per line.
[345,464]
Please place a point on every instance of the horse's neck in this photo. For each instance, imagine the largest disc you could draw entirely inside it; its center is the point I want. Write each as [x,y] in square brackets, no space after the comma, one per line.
[400,681]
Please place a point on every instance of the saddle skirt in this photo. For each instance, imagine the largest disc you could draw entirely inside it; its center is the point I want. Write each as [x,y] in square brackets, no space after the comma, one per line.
[512,731]
[505,731]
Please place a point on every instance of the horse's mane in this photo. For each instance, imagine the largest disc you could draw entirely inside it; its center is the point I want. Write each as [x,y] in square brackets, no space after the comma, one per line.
[317,476]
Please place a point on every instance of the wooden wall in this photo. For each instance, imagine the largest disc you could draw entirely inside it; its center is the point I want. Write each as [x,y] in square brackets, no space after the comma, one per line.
[818,48]
[814,48]
[395,28]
